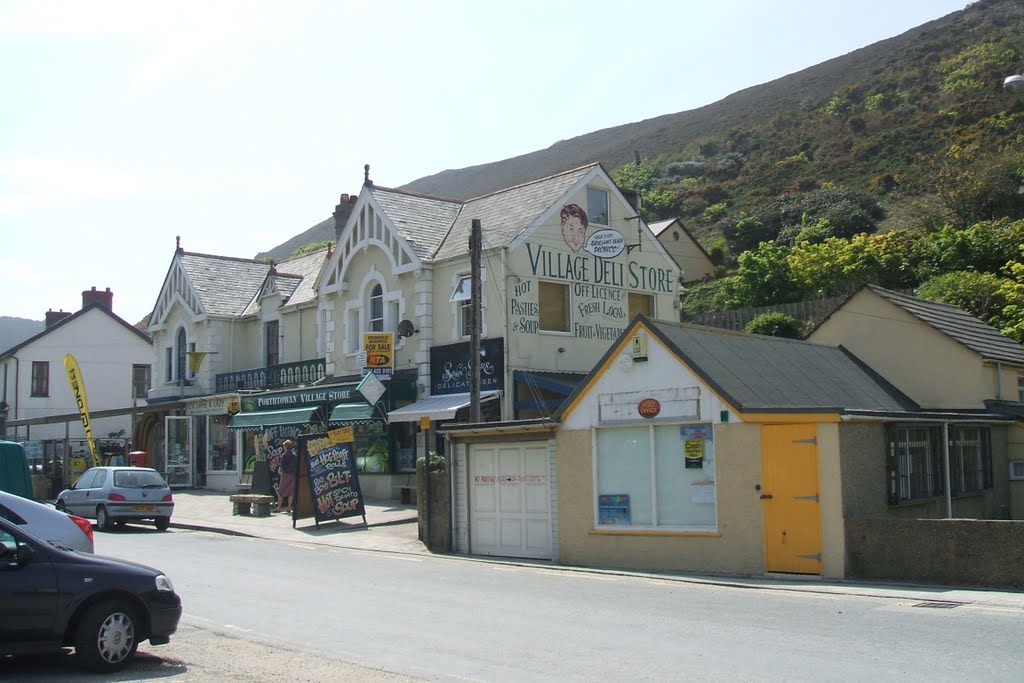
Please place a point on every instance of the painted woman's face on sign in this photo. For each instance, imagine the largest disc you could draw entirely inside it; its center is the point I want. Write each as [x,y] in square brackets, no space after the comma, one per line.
[574,226]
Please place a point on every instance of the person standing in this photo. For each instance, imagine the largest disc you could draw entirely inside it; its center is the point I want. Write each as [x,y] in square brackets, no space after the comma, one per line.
[289,469]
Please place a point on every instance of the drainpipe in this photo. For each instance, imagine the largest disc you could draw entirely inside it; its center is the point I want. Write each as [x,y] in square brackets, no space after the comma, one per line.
[945,459]
[17,382]
[999,380]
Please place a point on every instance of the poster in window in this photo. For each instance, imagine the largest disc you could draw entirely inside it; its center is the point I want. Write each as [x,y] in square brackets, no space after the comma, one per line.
[695,438]
[613,508]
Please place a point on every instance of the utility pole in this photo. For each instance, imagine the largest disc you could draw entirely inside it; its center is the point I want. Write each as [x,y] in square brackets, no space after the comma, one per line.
[475,247]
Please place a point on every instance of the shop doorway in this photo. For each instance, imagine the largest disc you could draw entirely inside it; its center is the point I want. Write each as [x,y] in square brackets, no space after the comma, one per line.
[178,451]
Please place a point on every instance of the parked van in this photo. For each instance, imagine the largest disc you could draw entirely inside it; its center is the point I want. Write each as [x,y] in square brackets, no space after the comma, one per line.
[14,475]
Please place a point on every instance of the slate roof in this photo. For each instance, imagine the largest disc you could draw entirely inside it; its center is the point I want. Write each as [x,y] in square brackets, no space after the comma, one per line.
[307,269]
[421,219]
[990,343]
[507,213]
[225,285]
[70,320]
[754,373]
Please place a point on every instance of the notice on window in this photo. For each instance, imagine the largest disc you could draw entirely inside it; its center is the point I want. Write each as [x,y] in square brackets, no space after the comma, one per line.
[702,492]
[613,508]
[693,451]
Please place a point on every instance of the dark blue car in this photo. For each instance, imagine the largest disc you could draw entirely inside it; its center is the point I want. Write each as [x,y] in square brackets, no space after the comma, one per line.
[52,598]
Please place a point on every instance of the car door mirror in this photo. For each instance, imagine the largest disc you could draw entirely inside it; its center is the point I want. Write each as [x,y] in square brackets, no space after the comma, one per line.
[25,554]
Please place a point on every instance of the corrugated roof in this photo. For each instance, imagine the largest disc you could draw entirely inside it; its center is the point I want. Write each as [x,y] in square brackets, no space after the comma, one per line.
[225,285]
[756,373]
[505,214]
[961,326]
[422,220]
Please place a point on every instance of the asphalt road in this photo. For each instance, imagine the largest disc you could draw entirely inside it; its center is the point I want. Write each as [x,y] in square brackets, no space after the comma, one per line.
[306,612]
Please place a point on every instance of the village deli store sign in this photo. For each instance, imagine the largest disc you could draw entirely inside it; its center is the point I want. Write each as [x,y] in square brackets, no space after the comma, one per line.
[342,393]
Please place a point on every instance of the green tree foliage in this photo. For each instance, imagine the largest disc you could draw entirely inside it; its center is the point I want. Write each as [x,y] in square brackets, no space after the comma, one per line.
[980,294]
[763,277]
[775,325]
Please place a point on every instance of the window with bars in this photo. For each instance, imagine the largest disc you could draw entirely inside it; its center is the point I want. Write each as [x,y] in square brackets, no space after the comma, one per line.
[916,461]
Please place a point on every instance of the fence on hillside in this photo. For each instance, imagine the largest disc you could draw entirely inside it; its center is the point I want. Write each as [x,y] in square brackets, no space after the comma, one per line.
[810,313]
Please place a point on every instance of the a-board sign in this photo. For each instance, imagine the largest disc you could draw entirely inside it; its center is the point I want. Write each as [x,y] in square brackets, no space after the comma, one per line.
[328,487]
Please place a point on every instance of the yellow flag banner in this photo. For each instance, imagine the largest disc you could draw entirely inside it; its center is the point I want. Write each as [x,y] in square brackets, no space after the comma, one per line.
[195,361]
[78,391]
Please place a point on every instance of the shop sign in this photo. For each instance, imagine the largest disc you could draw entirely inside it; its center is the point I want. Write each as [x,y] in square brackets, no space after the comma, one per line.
[649,407]
[214,405]
[340,393]
[449,367]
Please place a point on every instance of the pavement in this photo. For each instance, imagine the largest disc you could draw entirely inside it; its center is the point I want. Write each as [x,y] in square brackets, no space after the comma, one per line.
[391,528]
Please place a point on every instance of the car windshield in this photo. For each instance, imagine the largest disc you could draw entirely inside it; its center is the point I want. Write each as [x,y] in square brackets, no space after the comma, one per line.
[128,479]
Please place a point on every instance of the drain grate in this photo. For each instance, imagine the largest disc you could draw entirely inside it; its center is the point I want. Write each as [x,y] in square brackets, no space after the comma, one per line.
[938,604]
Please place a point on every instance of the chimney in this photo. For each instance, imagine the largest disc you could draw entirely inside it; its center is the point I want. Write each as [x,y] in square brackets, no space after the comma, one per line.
[53,317]
[341,213]
[104,299]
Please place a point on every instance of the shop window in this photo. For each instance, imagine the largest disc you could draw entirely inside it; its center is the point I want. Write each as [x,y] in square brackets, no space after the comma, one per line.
[272,342]
[554,306]
[40,378]
[221,452]
[140,380]
[656,476]
[641,303]
[597,206]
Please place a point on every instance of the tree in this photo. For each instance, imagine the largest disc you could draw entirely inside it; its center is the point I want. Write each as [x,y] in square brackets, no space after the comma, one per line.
[775,325]
[763,277]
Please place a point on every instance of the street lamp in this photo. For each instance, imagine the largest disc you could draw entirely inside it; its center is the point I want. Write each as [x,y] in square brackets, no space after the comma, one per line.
[1014,85]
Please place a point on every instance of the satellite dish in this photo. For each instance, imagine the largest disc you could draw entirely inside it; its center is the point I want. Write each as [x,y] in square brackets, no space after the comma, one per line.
[406,328]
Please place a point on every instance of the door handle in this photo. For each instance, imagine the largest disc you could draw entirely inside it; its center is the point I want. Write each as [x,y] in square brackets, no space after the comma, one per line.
[766,496]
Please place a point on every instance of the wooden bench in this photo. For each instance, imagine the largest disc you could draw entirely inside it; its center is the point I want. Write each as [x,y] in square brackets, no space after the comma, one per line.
[245,503]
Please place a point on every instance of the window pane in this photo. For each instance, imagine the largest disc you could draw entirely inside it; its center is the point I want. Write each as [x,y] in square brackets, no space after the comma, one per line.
[624,468]
[466,319]
[377,309]
[272,343]
[597,206]
[641,303]
[686,495]
[222,445]
[179,368]
[554,306]
[40,378]
[140,380]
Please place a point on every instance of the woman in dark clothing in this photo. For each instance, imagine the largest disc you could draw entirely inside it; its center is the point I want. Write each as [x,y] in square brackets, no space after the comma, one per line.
[289,467]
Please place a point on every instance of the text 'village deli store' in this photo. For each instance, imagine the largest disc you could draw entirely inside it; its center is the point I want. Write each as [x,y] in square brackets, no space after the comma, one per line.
[267,419]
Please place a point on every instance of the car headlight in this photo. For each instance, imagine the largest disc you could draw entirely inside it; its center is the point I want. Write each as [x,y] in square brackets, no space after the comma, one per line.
[164,584]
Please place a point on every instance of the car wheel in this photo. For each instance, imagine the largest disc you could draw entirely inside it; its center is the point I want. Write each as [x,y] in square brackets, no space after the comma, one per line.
[103,520]
[107,637]
[162,523]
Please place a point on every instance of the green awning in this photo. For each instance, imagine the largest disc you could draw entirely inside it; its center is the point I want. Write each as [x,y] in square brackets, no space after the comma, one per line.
[348,413]
[258,420]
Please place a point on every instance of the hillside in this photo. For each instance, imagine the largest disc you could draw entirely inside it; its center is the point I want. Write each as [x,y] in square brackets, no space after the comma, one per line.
[13,331]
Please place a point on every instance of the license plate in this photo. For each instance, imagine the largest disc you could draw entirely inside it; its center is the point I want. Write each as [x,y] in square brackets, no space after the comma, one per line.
[143,508]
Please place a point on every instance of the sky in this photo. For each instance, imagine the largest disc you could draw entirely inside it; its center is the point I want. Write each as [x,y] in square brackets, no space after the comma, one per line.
[237,124]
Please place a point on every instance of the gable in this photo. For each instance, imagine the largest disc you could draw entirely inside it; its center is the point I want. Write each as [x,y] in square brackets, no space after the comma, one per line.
[370,225]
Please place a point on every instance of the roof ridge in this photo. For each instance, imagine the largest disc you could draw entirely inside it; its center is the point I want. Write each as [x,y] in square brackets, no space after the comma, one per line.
[535,181]
[421,195]
[226,258]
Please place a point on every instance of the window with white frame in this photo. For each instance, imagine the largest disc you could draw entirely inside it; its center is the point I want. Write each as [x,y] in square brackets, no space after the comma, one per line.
[376,322]
[641,303]
[181,355]
[656,476]
[554,306]
[140,380]
[597,206]
[916,459]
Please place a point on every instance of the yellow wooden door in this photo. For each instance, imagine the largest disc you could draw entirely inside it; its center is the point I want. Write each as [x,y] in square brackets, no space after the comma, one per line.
[789,493]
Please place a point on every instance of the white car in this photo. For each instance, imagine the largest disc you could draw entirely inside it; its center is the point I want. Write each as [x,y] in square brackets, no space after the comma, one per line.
[47,523]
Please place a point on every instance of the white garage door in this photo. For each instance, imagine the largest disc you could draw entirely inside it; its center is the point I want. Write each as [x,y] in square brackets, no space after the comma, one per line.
[510,500]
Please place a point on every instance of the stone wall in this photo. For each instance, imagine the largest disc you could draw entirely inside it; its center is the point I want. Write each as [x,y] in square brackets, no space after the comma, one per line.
[434,509]
[964,552]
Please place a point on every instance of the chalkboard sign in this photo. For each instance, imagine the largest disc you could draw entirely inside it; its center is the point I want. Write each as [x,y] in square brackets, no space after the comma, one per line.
[330,469]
